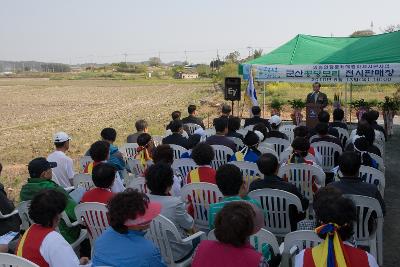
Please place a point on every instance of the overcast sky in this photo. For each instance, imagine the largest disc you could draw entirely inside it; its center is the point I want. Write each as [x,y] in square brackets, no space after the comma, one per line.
[77,31]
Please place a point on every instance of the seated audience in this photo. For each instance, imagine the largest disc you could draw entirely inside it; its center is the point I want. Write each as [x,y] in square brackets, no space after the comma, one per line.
[361,145]
[335,215]
[269,166]
[338,115]
[202,154]
[40,172]
[116,158]
[145,150]
[41,243]
[324,117]
[256,111]
[350,181]
[175,115]
[64,172]
[99,152]
[103,176]
[230,183]
[323,135]
[141,127]
[274,132]
[364,129]
[159,180]
[225,112]
[176,138]
[249,152]
[221,129]
[372,117]
[165,154]
[12,223]
[234,224]
[233,126]
[123,243]
[262,129]
[192,117]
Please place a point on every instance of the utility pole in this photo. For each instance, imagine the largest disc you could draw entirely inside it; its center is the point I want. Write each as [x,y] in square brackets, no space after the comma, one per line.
[186,60]
[125,55]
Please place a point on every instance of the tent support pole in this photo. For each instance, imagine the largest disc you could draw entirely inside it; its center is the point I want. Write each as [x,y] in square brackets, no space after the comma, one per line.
[351,98]
[263,110]
[346,107]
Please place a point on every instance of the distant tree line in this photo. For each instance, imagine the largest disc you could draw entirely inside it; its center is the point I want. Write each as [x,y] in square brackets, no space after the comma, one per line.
[55,67]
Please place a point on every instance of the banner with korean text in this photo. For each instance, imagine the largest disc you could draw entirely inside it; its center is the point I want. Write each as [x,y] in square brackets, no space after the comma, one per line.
[326,73]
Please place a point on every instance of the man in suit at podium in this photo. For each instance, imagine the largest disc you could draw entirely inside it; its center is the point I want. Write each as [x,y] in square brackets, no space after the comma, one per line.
[317,97]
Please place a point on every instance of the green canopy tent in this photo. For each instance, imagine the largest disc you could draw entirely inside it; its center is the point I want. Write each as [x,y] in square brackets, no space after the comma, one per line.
[305,58]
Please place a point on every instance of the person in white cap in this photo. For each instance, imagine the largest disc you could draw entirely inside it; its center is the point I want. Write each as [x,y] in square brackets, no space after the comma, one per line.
[275,122]
[64,172]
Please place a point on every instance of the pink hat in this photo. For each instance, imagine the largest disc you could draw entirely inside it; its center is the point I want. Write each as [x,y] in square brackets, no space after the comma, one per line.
[152,211]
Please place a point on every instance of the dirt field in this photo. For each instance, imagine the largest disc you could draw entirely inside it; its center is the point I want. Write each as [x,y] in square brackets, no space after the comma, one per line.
[32,110]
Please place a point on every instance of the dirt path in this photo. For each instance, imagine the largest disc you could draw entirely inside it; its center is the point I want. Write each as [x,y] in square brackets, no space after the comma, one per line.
[391,229]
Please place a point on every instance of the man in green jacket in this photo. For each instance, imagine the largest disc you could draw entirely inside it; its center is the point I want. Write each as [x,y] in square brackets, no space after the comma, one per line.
[40,179]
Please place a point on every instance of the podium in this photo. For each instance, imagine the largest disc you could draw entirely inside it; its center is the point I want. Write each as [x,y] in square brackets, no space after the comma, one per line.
[312,111]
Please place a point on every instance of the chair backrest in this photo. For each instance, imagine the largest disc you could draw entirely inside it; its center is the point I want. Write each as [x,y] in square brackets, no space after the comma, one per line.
[296,241]
[129,150]
[242,131]
[84,161]
[209,132]
[192,127]
[303,176]
[160,233]
[94,216]
[249,171]
[343,135]
[287,127]
[289,134]
[381,146]
[259,240]
[328,151]
[10,260]
[178,151]
[221,155]
[139,183]
[264,149]
[201,195]
[278,144]
[5,216]
[135,166]
[365,208]
[84,180]
[275,204]
[373,176]
[249,127]
[183,166]
[23,209]
[379,160]
[157,139]
[238,142]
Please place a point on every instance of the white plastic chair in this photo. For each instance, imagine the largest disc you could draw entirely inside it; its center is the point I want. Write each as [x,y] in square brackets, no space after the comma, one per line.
[83,232]
[242,131]
[249,127]
[210,132]
[84,180]
[275,204]
[139,183]
[178,151]
[295,242]
[373,176]
[379,160]
[5,216]
[287,128]
[258,240]
[135,166]
[192,127]
[23,208]
[365,207]
[129,150]
[157,139]
[238,142]
[93,215]
[249,171]
[278,144]
[328,151]
[301,175]
[160,232]
[201,195]
[267,149]
[84,161]
[221,155]
[343,135]
[183,166]
[10,260]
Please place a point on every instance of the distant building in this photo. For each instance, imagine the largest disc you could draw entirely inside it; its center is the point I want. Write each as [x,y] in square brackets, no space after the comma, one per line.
[187,74]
